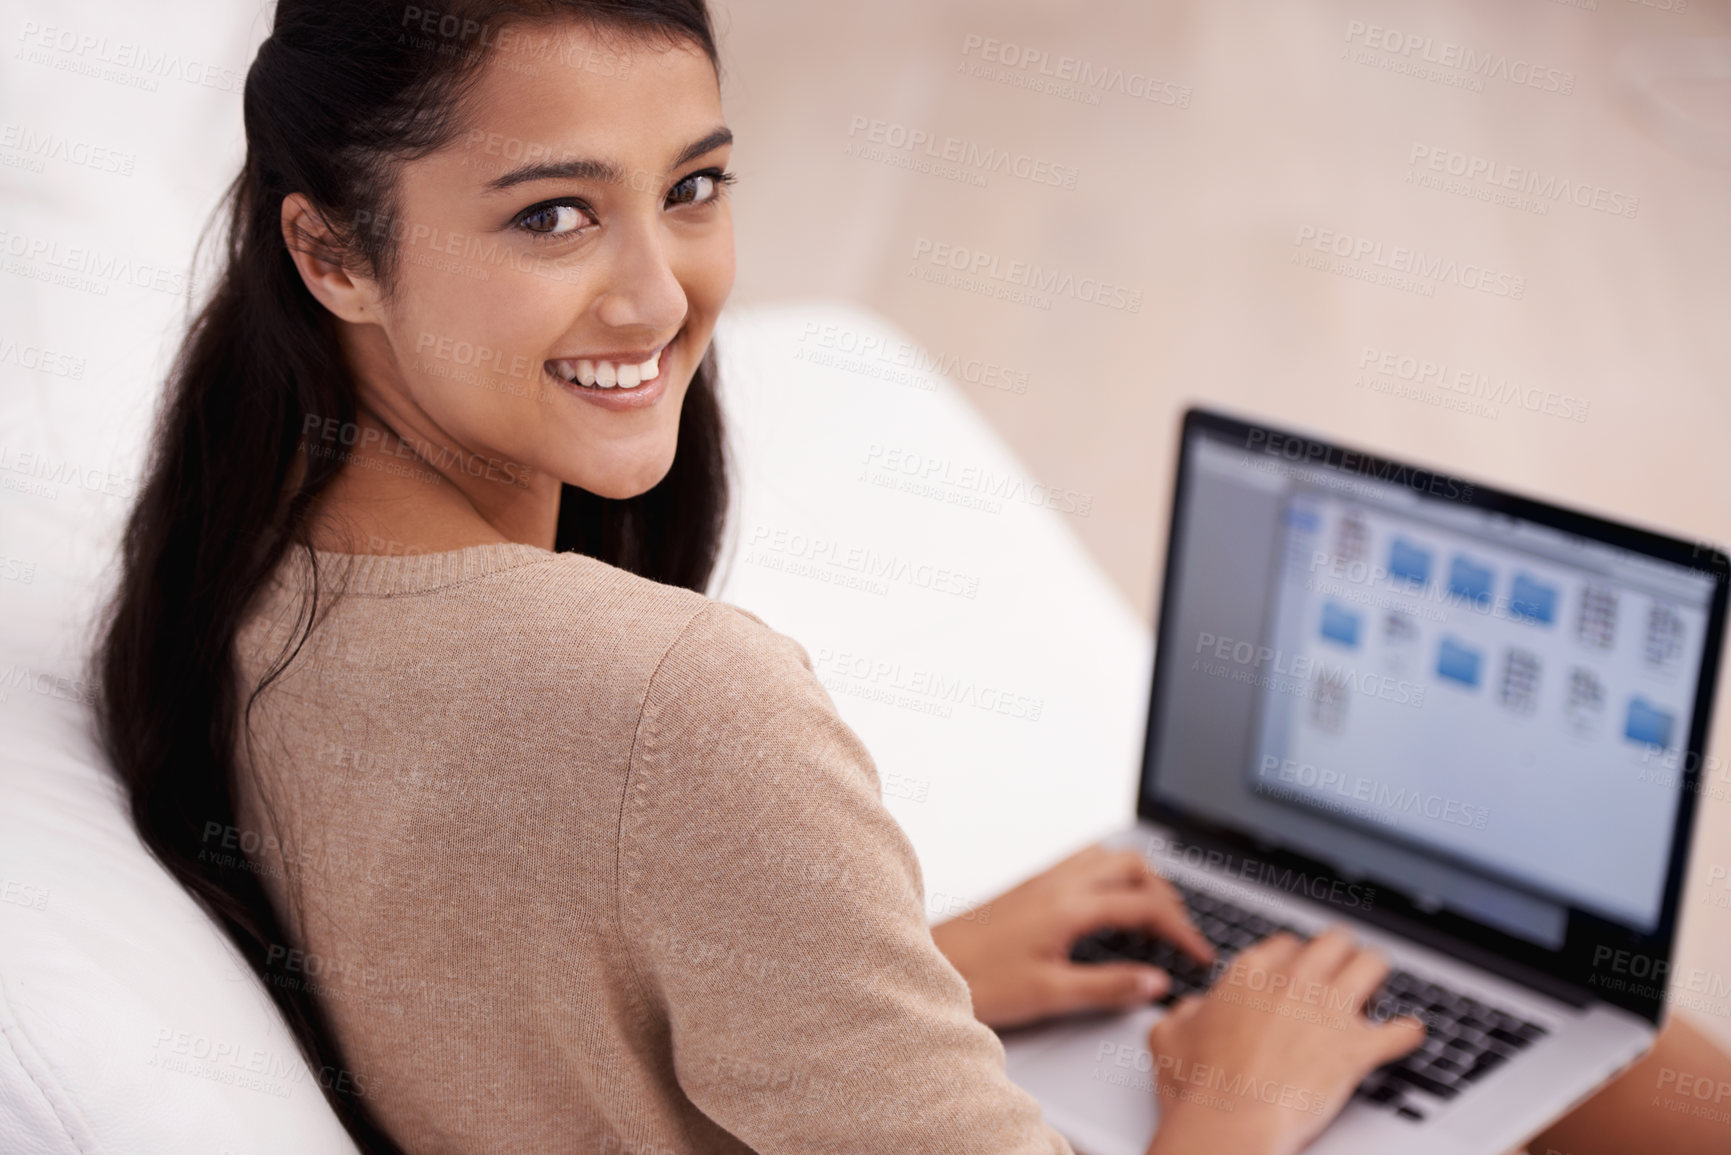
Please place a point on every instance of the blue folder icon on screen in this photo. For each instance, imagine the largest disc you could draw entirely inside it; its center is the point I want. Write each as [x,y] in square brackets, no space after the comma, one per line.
[1647,723]
[1408,562]
[1533,600]
[1339,624]
[1470,580]
[1458,663]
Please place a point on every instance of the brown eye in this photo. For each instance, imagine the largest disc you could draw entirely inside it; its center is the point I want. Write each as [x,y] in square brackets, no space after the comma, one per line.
[694,189]
[553,220]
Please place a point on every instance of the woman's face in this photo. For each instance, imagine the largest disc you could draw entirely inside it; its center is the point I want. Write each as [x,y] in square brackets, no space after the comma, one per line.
[560,265]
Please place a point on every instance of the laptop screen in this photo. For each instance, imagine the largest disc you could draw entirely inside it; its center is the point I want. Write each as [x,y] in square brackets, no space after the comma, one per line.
[1483,709]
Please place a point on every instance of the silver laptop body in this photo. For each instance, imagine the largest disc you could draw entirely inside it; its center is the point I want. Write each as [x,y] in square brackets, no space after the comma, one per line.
[1466,725]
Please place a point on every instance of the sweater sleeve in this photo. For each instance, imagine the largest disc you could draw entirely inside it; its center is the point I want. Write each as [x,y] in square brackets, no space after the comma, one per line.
[774,912]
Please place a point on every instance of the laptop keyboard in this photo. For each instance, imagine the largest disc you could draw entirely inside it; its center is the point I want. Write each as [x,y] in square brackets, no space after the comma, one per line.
[1465,1041]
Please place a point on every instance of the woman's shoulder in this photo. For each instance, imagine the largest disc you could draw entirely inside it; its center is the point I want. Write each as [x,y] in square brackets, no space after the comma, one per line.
[702,676]
[690,629]
[525,607]
[693,635]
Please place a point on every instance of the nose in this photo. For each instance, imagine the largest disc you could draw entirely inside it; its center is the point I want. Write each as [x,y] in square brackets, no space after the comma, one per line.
[642,290]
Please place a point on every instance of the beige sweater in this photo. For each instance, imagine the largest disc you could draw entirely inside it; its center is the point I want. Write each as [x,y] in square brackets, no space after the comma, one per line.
[583,863]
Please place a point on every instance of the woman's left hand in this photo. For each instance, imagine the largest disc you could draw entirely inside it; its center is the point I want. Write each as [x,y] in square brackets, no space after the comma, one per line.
[1015,950]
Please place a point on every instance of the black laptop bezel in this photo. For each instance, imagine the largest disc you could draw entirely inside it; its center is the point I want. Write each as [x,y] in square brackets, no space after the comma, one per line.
[1599,958]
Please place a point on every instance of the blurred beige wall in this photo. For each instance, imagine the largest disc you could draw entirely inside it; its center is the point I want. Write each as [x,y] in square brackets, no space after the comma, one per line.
[1261,123]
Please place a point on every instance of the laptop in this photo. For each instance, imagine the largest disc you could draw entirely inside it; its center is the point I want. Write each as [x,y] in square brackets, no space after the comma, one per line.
[1465,724]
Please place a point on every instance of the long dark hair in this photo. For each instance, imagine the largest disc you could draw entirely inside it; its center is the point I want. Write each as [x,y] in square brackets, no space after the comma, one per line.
[340,93]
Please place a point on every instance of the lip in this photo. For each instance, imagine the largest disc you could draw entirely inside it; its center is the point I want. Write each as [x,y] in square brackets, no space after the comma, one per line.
[630,358]
[616,399]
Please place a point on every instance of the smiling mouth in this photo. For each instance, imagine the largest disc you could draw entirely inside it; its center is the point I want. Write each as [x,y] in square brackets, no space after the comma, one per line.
[596,374]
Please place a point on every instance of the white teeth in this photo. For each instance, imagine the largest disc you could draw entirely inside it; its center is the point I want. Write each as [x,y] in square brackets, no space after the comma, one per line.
[606,374]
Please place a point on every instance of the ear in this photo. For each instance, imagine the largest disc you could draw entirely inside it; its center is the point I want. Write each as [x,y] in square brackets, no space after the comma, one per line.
[350,295]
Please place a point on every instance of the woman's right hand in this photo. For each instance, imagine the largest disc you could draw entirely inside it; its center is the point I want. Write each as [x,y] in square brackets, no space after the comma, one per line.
[1260,1064]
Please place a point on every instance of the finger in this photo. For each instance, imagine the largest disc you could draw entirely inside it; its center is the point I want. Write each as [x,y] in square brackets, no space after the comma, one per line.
[1323,956]
[1200,949]
[1099,985]
[1359,978]
[1081,864]
[1123,868]
[1176,1016]
[1091,854]
[1397,1037]
[1273,954]
[1266,966]
[1146,910]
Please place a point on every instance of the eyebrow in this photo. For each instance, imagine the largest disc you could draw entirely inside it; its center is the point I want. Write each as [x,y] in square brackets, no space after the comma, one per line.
[602,171]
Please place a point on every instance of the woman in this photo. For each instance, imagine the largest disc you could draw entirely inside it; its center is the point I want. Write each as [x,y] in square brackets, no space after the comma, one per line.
[562,855]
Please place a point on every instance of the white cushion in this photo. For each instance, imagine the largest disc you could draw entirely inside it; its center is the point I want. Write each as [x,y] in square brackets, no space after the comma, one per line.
[127,1024]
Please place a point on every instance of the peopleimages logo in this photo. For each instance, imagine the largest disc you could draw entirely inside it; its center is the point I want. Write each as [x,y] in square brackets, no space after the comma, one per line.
[39,146]
[936,475]
[1229,866]
[1405,261]
[1471,382]
[50,471]
[1300,675]
[42,360]
[1178,1079]
[923,145]
[1512,184]
[329,437]
[1386,803]
[976,269]
[939,688]
[855,566]
[1412,46]
[89,54]
[899,361]
[82,267]
[1304,452]
[1071,77]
